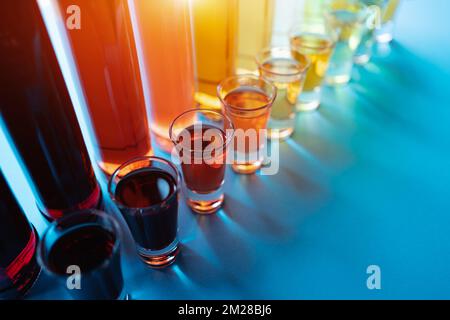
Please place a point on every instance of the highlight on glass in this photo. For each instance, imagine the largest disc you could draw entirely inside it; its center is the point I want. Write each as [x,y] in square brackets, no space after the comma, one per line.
[201,138]
[285,68]
[146,191]
[313,38]
[85,244]
[18,242]
[247,100]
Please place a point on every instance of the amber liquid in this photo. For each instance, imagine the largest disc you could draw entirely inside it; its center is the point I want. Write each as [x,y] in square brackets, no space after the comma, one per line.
[200,176]
[240,109]
[106,59]
[166,46]
[318,48]
[39,115]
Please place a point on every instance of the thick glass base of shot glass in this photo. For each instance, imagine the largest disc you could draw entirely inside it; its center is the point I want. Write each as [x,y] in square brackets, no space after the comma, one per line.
[362,59]
[160,258]
[338,79]
[247,164]
[309,100]
[205,203]
[280,129]
[385,34]
[341,65]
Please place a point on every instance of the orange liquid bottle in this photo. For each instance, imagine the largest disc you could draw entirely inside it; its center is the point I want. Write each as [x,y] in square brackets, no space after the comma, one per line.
[106,60]
[164,39]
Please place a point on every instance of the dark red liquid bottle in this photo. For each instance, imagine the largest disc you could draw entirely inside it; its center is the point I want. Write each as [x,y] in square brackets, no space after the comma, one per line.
[38,113]
[18,241]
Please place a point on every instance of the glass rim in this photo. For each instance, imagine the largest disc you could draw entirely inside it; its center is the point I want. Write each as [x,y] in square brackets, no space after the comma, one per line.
[211,111]
[260,61]
[362,13]
[137,159]
[329,34]
[248,76]
[43,262]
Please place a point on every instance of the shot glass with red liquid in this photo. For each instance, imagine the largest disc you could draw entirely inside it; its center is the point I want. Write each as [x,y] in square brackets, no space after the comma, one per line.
[146,192]
[201,138]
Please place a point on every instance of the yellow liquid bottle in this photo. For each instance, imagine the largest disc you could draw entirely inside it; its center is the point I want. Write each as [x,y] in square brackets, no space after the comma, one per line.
[215,29]
[228,35]
[255,32]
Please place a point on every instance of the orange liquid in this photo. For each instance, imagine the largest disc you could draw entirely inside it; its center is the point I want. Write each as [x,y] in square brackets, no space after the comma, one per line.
[165,37]
[241,104]
[106,59]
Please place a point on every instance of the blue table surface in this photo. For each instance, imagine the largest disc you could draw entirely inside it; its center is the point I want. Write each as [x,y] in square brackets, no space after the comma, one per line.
[364,181]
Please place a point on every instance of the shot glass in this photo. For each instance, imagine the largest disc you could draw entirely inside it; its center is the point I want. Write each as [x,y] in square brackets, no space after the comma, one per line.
[316,40]
[285,68]
[247,100]
[146,192]
[348,18]
[201,138]
[385,33]
[84,246]
[364,51]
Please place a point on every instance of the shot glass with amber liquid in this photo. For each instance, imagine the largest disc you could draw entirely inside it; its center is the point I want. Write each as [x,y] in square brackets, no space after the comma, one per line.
[247,100]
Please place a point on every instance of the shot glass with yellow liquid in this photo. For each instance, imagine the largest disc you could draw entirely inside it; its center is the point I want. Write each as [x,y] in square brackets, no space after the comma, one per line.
[315,40]
[286,70]
[348,18]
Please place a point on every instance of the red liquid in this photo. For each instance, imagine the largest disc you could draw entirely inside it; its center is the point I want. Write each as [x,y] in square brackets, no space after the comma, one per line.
[87,247]
[91,248]
[201,176]
[39,115]
[18,266]
[154,224]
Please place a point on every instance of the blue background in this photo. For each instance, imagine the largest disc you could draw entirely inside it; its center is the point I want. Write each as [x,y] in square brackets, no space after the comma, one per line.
[364,181]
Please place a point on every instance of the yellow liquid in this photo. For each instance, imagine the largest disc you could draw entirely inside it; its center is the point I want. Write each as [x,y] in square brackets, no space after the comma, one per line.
[347,21]
[215,26]
[318,49]
[228,34]
[283,73]
[254,33]
[391,9]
